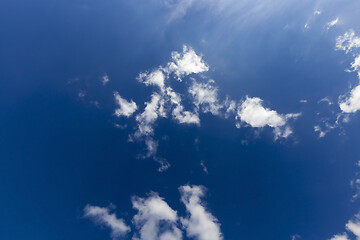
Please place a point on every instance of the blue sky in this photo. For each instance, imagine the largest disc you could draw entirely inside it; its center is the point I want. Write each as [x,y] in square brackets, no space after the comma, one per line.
[179,119]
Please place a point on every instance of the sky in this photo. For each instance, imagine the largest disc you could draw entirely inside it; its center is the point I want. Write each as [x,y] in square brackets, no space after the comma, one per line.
[179,119]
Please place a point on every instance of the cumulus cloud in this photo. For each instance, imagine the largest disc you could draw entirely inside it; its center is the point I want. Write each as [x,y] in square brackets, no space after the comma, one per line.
[126,108]
[205,96]
[351,103]
[200,224]
[155,219]
[253,113]
[348,41]
[186,63]
[103,217]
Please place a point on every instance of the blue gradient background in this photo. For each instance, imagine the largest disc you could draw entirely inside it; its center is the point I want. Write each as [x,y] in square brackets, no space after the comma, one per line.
[59,152]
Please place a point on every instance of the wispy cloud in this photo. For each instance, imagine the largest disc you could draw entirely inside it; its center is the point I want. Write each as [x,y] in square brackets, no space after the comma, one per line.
[103,217]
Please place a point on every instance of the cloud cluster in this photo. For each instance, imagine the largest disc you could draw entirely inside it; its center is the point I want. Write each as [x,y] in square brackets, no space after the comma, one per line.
[156,220]
[203,97]
[350,103]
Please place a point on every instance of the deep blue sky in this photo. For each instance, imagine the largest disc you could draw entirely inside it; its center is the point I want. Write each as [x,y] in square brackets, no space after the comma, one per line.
[59,152]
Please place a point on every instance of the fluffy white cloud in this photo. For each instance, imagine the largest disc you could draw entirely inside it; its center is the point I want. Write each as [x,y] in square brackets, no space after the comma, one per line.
[155,219]
[186,63]
[348,41]
[155,77]
[102,216]
[200,224]
[205,96]
[351,103]
[253,113]
[126,108]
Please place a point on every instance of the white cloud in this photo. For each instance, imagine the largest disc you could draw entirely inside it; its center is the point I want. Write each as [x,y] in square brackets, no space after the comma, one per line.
[155,219]
[105,79]
[102,216]
[147,118]
[253,113]
[126,108]
[351,103]
[206,97]
[326,99]
[355,65]
[348,41]
[200,224]
[155,77]
[333,23]
[317,12]
[303,101]
[354,227]
[186,63]
[322,133]
[178,112]
[340,237]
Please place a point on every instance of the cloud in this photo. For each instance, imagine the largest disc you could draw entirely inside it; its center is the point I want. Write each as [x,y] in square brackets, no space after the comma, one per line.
[125,108]
[155,219]
[352,226]
[155,77]
[103,217]
[147,118]
[186,63]
[322,133]
[351,103]
[178,8]
[326,99]
[200,224]
[332,23]
[105,79]
[355,65]
[348,41]
[253,113]
[178,112]
[205,96]
[340,237]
